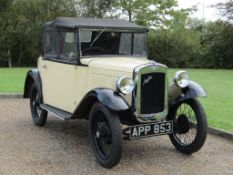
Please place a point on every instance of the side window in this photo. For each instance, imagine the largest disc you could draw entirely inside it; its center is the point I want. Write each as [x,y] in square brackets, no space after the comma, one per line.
[139,44]
[52,44]
[85,36]
[68,46]
[125,44]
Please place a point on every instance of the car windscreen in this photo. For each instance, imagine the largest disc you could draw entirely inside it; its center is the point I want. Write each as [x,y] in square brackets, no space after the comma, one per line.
[102,42]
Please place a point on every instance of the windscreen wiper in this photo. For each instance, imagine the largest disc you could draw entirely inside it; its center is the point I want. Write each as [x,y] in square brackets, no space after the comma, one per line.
[97,37]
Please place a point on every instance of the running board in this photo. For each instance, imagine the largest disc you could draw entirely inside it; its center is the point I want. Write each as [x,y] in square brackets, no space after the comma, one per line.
[63,115]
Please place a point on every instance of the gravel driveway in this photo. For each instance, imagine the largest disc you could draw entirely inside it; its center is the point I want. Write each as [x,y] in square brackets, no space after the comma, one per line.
[64,148]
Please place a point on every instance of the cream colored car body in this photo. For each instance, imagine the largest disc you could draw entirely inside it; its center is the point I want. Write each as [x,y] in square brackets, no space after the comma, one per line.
[64,85]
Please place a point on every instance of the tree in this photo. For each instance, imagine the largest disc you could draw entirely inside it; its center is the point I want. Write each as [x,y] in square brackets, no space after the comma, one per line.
[153,13]
[217,45]
[94,9]
[21,28]
[174,39]
[6,31]
[226,9]
[178,47]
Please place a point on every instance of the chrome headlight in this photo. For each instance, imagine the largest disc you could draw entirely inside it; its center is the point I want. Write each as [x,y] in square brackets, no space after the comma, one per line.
[181,79]
[125,85]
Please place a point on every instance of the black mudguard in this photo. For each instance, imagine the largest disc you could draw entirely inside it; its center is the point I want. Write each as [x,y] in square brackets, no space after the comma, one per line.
[176,94]
[109,98]
[33,76]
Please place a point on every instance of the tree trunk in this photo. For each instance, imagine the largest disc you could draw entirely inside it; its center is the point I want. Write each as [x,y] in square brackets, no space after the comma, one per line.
[9,58]
[20,56]
[130,15]
[130,9]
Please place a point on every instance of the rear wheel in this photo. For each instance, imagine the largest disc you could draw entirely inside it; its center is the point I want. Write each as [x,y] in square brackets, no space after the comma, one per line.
[106,135]
[190,126]
[39,115]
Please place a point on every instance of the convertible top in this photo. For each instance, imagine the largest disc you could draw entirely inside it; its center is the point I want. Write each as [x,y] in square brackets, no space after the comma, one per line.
[93,23]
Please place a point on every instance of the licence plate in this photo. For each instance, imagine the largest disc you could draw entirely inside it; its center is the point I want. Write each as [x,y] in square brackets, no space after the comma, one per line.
[152,129]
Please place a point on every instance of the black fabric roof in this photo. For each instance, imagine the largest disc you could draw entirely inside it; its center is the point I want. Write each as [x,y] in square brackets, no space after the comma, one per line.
[73,22]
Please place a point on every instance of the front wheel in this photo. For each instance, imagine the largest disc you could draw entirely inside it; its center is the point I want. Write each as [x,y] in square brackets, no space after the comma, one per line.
[190,126]
[106,135]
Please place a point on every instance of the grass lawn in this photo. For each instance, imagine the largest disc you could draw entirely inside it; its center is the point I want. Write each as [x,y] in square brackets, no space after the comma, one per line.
[12,80]
[217,83]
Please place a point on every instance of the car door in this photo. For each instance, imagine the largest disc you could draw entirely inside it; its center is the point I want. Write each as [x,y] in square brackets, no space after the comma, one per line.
[58,69]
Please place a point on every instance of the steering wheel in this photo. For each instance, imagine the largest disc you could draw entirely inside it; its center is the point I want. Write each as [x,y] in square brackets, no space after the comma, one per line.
[93,51]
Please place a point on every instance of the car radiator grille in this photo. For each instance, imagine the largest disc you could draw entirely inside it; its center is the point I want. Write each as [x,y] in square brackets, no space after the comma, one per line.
[152,93]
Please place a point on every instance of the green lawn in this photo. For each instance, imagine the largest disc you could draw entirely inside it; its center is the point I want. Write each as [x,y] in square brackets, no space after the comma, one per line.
[217,83]
[12,80]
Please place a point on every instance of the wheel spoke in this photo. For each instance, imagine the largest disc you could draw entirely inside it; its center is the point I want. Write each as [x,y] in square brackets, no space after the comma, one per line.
[185,114]
[102,134]
[35,104]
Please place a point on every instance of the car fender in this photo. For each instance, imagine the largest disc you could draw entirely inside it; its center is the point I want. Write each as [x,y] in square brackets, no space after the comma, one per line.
[33,76]
[108,97]
[176,94]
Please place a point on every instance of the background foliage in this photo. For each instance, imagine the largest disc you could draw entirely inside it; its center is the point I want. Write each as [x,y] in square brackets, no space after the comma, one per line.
[175,38]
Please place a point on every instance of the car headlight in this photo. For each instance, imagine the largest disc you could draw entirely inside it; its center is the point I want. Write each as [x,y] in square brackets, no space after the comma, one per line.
[125,85]
[181,79]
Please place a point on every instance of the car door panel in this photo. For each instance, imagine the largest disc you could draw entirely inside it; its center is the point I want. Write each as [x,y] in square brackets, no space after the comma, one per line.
[59,84]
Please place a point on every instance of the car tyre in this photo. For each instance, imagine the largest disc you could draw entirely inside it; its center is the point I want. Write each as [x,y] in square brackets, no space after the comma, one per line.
[183,126]
[105,130]
[39,115]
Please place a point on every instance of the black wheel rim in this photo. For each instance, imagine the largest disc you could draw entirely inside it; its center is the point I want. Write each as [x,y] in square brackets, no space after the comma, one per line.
[185,125]
[35,104]
[101,134]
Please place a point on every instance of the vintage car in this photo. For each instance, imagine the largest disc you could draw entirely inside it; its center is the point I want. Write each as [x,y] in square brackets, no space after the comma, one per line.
[97,69]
